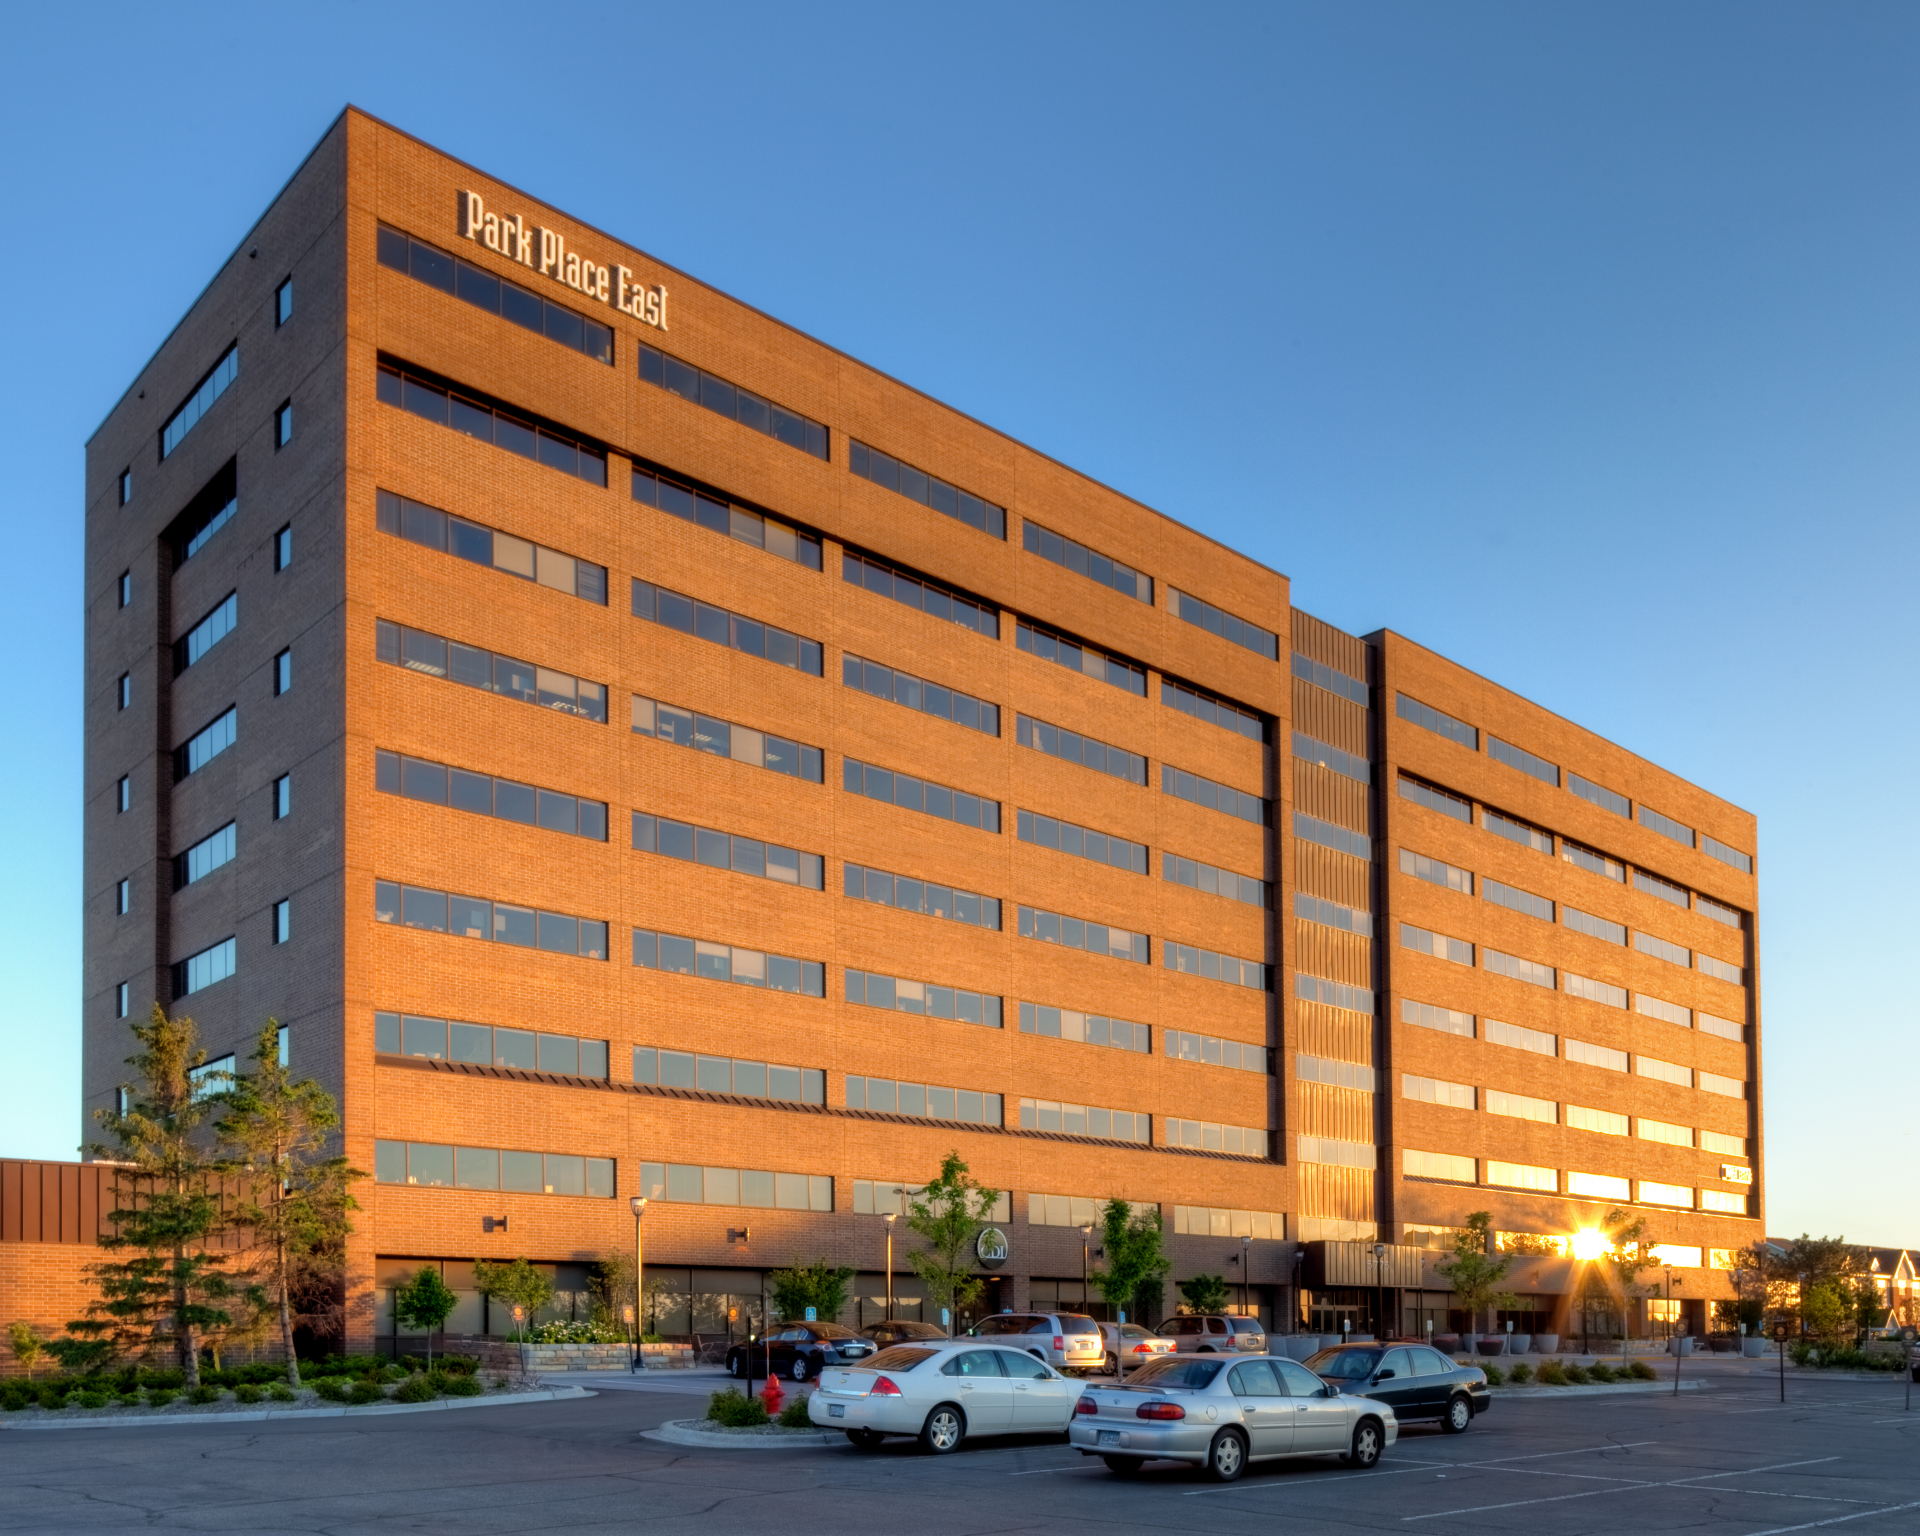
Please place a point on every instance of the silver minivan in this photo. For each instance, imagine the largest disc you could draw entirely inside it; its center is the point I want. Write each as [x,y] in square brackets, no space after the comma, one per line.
[1215,1335]
[1065,1340]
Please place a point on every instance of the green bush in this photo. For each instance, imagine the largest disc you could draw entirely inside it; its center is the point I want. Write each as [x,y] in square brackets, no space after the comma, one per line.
[730,1408]
[1601,1371]
[415,1389]
[128,1399]
[795,1415]
[333,1388]
[1521,1374]
[1495,1376]
[54,1395]
[15,1395]
[367,1390]
[1641,1371]
[246,1392]
[457,1365]
[92,1399]
[159,1397]
[1552,1374]
[392,1373]
[206,1392]
[461,1386]
[1578,1375]
[280,1392]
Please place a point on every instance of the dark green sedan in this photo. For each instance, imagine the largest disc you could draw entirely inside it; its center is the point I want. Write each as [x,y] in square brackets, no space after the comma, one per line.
[1420,1383]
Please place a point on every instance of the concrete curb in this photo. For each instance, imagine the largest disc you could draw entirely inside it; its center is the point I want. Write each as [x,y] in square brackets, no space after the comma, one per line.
[687,1432]
[1596,1389]
[330,1411]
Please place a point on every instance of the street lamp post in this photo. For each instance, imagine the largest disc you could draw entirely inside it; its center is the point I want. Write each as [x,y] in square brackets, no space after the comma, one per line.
[889,1219]
[1086,1259]
[1379,1291]
[1246,1263]
[639,1205]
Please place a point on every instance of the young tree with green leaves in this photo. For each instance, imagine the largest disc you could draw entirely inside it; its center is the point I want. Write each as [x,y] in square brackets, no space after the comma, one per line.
[1205,1295]
[27,1345]
[424,1304]
[610,1283]
[1136,1263]
[1476,1270]
[948,1215]
[518,1284]
[819,1285]
[172,1286]
[298,1192]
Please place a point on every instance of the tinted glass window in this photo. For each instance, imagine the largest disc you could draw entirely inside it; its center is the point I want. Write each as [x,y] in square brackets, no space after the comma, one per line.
[1190,1371]
[1255,1378]
[1297,1379]
[1345,1364]
[899,1358]
[1025,1367]
[1427,1362]
[975,1362]
[1399,1362]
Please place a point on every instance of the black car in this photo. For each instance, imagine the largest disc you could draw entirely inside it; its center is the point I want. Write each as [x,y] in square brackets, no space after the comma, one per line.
[799,1350]
[884,1334]
[1418,1382]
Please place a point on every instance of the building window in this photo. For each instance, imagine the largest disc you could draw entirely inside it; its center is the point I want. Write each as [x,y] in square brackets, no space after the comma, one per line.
[928,897]
[736,1186]
[717,515]
[204,857]
[1722,969]
[1654,1008]
[1088,1028]
[1343,839]
[722,1074]
[1718,1141]
[887,1097]
[705,733]
[1663,1071]
[722,850]
[1522,1176]
[208,633]
[283,796]
[126,486]
[1726,1203]
[283,548]
[284,1041]
[1515,831]
[1435,871]
[123,794]
[1517,757]
[481,545]
[283,672]
[474,917]
[1436,799]
[1595,991]
[1323,676]
[1660,1130]
[1598,795]
[1086,562]
[494,424]
[1430,719]
[733,402]
[1666,826]
[126,588]
[198,972]
[1727,1087]
[283,424]
[1593,863]
[905,689]
[1603,1122]
[1083,659]
[1336,1153]
[928,490]
[1663,949]
[1081,842]
[120,1004]
[1653,885]
[1215,797]
[481,793]
[1084,1120]
[122,898]
[283,303]
[1432,1016]
[123,690]
[1593,927]
[727,962]
[1441,947]
[1306,749]
[867,990]
[1214,880]
[526,1173]
[214,506]
[1335,1074]
[1726,1029]
[1665,1194]
[1072,747]
[1600,1186]
[1433,1090]
[912,794]
[917,592]
[210,389]
[1517,1038]
[1516,900]
[1335,994]
[1330,914]
[1445,1166]
[480,288]
[282,921]
[1204,706]
[1728,916]
[1077,933]
[659,605]
[1733,857]
[419,651]
[1602,1056]
[397,1034]
[1529,971]
[1518,1106]
[1217,621]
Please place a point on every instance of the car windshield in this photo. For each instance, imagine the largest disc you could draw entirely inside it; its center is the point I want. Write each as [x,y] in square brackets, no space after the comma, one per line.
[901,1357]
[1189,1371]
[1344,1364]
[1133,1331]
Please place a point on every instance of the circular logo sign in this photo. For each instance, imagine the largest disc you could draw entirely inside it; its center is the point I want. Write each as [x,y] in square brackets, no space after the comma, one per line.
[991,1246]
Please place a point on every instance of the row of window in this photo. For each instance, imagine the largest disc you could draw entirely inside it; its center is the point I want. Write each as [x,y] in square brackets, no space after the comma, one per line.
[1081,842]
[1307,750]
[1335,1074]
[1078,558]
[1458,731]
[707,733]
[1321,675]
[1084,659]
[531,1173]
[1495,1174]
[480,288]
[1215,881]
[967,1106]
[704,621]
[1214,711]
[1330,914]
[1086,1120]
[219,379]
[923,896]
[491,423]
[917,592]
[469,665]
[209,632]
[704,510]
[475,542]
[1206,1136]
[1215,797]
[1521,1106]
[724,1074]
[922,997]
[1217,621]
[1210,1221]
[1211,1050]
[474,917]
[405,1034]
[484,795]
[728,962]
[912,794]
[1077,933]
[1072,747]
[1312,829]
[1190,960]
[929,490]
[904,688]
[724,850]
[733,402]
[1450,1021]
[682,1182]
[1333,994]
[199,749]
[1087,1028]
[201,860]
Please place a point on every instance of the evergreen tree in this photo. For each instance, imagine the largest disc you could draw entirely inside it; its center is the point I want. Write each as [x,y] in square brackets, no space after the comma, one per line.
[297,1194]
[170,1289]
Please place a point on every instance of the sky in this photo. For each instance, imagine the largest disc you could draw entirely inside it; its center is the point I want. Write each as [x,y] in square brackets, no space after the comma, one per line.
[1576,342]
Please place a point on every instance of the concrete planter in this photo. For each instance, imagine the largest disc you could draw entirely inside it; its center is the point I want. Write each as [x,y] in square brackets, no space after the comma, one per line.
[1446,1343]
[1492,1344]
[1519,1343]
[1683,1345]
[1753,1349]
[1546,1343]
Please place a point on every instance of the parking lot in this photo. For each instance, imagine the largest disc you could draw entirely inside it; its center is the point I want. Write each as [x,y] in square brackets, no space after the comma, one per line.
[1840,1455]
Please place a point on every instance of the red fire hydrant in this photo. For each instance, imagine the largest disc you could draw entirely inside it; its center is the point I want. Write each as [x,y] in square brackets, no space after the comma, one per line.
[773,1397]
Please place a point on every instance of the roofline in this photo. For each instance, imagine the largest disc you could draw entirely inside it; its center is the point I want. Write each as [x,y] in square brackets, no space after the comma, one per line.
[1377,637]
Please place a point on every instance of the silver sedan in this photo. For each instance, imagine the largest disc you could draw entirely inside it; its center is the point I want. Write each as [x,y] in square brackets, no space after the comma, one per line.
[1222,1413]
[942,1391]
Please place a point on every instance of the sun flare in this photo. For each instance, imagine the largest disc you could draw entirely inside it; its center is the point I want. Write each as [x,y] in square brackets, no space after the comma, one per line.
[1589,1245]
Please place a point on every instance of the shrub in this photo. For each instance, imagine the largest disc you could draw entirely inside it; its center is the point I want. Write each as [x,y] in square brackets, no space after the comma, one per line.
[246,1392]
[15,1395]
[128,1399]
[1578,1375]
[731,1408]
[93,1399]
[53,1395]
[332,1388]
[795,1415]
[206,1392]
[280,1392]
[1521,1374]
[159,1397]
[1495,1376]
[1552,1374]
[367,1390]
[1641,1371]
[415,1389]
[499,1383]
[458,1365]
[1601,1371]
[461,1386]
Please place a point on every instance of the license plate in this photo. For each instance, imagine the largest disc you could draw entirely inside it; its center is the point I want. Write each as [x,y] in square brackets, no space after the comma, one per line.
[836,1410]
[1109,1437]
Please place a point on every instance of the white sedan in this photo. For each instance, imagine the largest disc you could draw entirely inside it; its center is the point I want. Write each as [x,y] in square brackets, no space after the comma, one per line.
[942,1391]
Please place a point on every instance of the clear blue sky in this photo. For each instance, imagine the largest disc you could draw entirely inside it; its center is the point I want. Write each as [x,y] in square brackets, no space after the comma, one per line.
[1577,342]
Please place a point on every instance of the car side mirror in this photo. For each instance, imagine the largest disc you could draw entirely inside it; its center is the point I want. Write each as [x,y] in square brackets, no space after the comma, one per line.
[1383,1376]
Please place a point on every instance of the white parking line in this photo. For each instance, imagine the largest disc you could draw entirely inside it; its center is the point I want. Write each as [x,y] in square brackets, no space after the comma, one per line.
[1423,1466]
[1677,1482]
[1814,1525]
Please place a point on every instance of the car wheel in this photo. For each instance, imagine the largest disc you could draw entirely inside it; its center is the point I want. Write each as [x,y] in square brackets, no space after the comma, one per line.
[799,1372]
[1123,1466]
[1112,1365]
[1459,1415]
[1366,1445]
[945,1428]
[1227,1456]
[864,1439]
[1204,1349]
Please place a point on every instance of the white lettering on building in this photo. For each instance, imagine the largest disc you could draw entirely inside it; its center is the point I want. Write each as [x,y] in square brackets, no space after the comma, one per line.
[545,251]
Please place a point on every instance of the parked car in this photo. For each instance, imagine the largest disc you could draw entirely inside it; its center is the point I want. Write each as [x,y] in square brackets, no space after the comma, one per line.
[1207,1335]
[799,1350]
[1065,1340]
[1129,1345]
[1223,1414]
[1420,1383]
[943,1391]
[883,1334]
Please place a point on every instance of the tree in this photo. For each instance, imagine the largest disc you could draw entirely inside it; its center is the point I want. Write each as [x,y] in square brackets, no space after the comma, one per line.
[1136,1265]
[819,1285]
[168,1218]
[424,1304]
[948,1214]
[1475,1271]
[654,1287]
[1205,1293]
[517,1284]
[298,1195]
[1824,1308]
[27,1347]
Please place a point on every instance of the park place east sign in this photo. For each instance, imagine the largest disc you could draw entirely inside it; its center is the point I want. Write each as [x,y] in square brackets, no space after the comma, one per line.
[545,251]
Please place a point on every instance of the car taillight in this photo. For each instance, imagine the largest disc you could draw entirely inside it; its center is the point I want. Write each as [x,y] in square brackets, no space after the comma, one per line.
[883,1387]
[1143,1349]
[1159,1411]
[1086,1405]
[1058,1342]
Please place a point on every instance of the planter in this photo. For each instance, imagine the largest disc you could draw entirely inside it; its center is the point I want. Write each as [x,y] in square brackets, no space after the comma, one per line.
[1546,1343]
[1723,1345]
[1446,1343]
[1328,1340]
[1683,1345]
[1519,1343]
[1470,1343]
[1301,1347]
[1493,1344]
[1753,1349]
